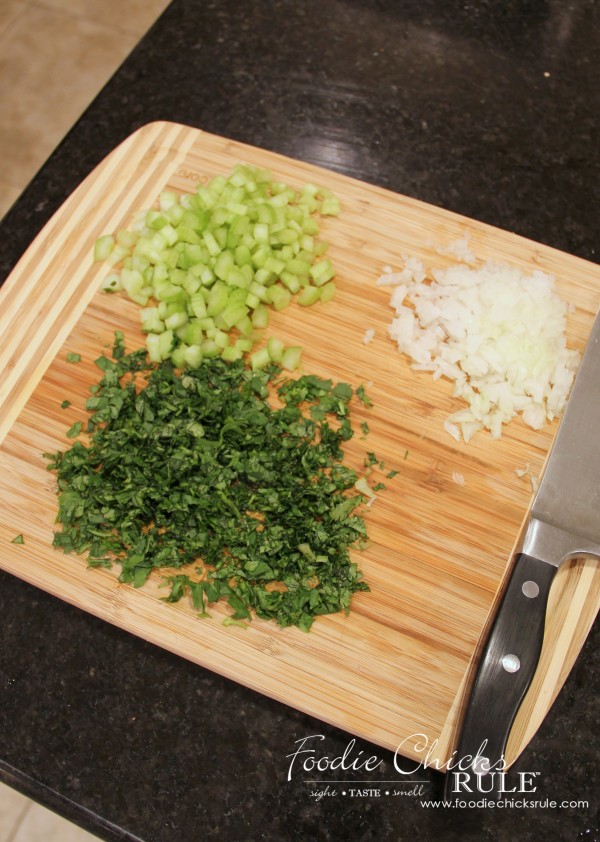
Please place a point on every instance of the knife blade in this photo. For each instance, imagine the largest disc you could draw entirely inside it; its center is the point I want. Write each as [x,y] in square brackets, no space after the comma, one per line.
[563,523]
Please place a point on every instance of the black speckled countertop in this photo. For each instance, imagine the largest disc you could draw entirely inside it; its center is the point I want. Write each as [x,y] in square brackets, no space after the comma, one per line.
[485,108]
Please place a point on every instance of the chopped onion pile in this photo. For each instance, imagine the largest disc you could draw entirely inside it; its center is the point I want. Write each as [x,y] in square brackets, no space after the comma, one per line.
[499,334]
[206,266]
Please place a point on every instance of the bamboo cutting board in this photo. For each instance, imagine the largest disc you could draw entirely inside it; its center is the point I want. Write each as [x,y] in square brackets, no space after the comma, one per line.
[399,664]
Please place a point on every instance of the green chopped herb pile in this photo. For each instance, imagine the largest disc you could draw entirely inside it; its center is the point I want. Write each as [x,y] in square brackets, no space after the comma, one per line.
[199,469]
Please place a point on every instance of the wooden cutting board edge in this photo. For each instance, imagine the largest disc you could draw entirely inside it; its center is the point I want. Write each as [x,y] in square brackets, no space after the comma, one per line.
[34,330]
[24,358]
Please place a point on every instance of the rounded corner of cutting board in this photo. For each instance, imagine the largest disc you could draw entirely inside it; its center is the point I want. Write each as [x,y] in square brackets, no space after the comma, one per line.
[157,127]
[573,605]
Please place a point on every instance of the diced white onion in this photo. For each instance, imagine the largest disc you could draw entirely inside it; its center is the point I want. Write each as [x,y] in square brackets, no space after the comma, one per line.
[498,333]
[460,249]
[369,336]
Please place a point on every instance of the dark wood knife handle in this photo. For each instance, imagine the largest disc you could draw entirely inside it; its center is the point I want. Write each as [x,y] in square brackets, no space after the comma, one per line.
[506,669]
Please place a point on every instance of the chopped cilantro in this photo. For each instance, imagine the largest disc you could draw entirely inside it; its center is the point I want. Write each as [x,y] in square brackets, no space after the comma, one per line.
[73,358]
[363,397]
[343,509]
[391,474]
[197,471]
[118,350]
[229,621]
[364,427]
[18,539]
[65,404]
[74,431]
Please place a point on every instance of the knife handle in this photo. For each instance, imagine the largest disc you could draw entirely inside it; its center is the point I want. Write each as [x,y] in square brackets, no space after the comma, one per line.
[506,669]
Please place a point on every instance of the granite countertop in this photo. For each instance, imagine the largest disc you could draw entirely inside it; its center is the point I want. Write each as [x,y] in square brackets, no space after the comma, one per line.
[488,109]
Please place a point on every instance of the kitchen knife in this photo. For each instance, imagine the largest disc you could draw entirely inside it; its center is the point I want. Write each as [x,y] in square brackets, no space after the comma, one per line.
[564,522]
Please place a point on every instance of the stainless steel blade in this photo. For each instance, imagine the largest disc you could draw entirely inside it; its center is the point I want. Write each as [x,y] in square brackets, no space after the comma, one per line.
[565,515]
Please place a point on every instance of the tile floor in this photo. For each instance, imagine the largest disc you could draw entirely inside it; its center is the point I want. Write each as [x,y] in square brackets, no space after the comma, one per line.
[55,55]
[21,820]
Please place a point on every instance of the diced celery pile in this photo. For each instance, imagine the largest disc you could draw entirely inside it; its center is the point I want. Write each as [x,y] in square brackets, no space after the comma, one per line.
[206,266]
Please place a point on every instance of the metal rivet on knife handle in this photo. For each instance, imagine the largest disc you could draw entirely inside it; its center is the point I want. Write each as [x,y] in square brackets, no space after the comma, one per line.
[481,765]
[511,663]
[530,589]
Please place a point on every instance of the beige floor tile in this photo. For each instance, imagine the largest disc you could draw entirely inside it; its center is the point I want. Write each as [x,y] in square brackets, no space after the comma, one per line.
[9,11]
[12,807]
[8,195]
[69,56]
[41,825]
[51,67]
[131,15]
[32,126]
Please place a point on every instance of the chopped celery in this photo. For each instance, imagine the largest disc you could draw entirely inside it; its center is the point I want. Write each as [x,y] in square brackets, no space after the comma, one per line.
[322,271]
[221,339]
[223,264]
[297,266]
[206,263]
[330,206]
[275,349]
[260,359]
[103,247]
[152,344]
[198,305]
[243,345]
[206,323]
[264,277]
[279,297]
[211,243]
[167,199]
[309,295]
[233,313]
[327,292]
[260,317]
[210,348]
[261,232]
[177,356]
[291,357]
[252,301]
[310,226]
[165,343]
[291,282]
[191,333]
[175,321]
[127,239]
[231,353]
[274,265]
[245,326]
[150,320]
[217,299]
[193,355]
[112,282]
[258,289]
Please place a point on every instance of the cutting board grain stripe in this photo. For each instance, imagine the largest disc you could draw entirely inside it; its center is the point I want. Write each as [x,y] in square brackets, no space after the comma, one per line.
[400,663]
[38,314]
